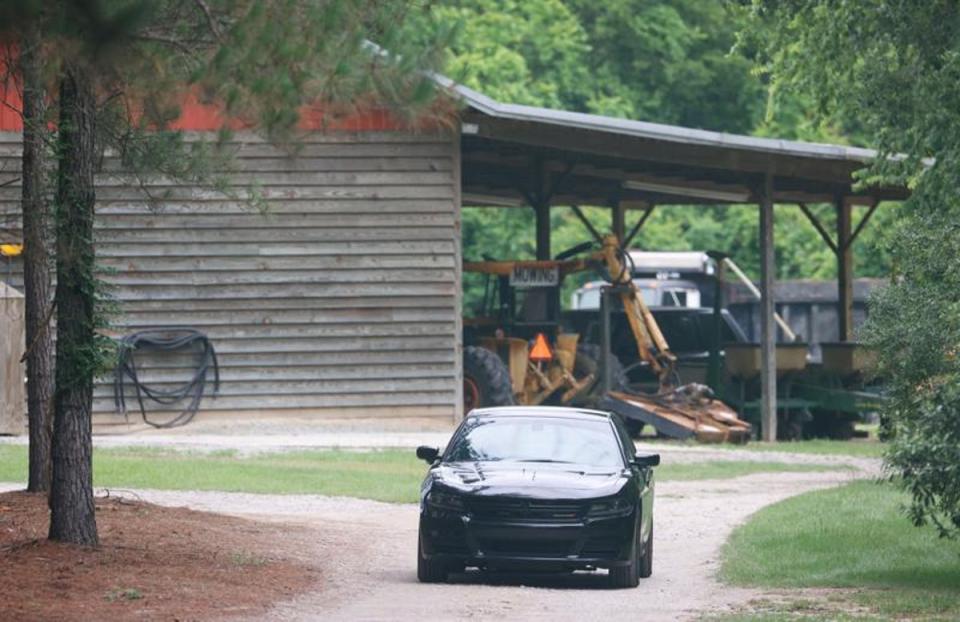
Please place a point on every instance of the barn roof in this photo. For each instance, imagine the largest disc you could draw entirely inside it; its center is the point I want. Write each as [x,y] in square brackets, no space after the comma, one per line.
[595,160]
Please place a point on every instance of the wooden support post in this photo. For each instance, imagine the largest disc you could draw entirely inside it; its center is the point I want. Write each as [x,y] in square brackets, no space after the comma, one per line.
[618,215]
[768,327]
[542,210]
[844,271]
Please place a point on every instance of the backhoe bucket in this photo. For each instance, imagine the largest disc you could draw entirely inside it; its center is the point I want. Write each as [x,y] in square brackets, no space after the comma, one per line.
[681,413]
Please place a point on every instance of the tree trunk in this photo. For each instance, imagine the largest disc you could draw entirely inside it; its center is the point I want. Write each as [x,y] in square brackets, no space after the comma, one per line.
[71,500]
[36,266]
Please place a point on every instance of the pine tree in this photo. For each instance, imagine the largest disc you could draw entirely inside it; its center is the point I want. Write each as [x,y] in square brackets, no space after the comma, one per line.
[124,69]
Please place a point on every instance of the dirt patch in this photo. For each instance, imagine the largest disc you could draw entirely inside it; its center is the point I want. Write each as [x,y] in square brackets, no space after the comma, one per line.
[153,563]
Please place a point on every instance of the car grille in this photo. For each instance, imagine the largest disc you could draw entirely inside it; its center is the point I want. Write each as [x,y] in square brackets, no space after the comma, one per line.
[531,548]
[525,510]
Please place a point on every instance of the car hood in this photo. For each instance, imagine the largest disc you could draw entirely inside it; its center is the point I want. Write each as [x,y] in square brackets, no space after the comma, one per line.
[532,480]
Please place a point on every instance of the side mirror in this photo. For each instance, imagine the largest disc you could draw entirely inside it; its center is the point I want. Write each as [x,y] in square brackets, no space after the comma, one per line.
[647,460]
[428,454]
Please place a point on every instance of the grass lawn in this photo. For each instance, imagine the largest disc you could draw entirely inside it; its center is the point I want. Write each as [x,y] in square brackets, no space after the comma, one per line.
[389,475]
[852,537]
[858,448]
[725,469]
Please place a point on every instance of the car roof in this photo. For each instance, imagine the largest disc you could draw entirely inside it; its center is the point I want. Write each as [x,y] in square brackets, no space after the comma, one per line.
[539,411]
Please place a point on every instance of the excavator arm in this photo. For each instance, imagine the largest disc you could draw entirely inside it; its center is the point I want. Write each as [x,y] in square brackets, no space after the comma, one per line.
[680,411]
[651,344]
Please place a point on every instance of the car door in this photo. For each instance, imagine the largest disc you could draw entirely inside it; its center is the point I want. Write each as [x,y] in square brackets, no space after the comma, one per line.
[642,477]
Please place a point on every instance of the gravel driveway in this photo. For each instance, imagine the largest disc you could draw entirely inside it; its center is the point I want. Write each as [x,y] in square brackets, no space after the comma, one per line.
[368,549]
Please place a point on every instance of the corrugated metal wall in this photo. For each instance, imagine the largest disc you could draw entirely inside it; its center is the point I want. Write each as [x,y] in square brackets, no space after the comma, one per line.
[341,299]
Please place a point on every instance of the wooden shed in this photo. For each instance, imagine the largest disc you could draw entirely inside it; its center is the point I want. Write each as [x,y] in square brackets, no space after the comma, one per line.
[340,298]
[13,395]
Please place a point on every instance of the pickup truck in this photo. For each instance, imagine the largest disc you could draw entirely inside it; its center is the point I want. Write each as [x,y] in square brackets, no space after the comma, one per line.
[689,331]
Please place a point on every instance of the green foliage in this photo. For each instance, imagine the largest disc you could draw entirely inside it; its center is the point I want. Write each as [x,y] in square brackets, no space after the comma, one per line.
[895,66]
[521,51]
[653,60]
[670,62]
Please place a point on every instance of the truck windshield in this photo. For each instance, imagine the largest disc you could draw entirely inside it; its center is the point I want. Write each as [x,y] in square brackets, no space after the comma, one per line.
[537,439]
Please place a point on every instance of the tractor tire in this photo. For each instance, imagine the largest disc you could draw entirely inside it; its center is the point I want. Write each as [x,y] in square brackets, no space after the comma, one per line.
[588,361]
[486,380]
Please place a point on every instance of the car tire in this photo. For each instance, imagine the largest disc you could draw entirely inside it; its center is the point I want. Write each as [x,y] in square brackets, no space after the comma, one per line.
[646,562]
[629,575]
[429,570]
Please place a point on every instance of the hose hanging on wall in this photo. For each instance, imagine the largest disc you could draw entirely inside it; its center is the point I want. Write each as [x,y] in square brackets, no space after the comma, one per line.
[173,339]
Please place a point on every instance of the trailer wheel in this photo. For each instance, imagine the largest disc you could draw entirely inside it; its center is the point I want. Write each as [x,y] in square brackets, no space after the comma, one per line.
[830,424]
[592,352]
[486,381]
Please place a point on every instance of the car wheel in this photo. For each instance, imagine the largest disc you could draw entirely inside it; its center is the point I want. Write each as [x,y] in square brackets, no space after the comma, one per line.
[646,562]
[629,575]
[429,570]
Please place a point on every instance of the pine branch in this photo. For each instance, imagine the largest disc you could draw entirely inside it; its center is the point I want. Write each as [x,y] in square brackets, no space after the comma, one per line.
[175,43]
[214,28]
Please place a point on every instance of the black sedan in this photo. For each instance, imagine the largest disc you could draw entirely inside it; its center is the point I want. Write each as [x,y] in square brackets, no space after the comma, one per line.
[537,489]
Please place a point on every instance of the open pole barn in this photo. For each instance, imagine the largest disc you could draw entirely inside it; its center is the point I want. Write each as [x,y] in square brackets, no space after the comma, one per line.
[342,297]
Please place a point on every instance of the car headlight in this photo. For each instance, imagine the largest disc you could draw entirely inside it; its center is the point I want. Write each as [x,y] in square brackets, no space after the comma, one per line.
[445,501]
[610,508]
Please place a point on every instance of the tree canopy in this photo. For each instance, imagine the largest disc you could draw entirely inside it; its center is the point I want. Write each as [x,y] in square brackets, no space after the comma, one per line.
[895,65]
[680,62]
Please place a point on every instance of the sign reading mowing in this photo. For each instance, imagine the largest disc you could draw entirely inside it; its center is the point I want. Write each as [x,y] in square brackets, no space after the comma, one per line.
[534,276]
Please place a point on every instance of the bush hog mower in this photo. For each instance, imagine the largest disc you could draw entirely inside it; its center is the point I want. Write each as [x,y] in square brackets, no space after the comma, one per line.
[516,350]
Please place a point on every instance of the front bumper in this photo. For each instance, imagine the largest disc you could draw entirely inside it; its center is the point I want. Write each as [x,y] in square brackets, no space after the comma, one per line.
[460,539]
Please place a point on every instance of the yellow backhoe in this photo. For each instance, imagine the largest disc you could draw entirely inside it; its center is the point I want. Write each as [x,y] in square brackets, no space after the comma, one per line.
[517,352]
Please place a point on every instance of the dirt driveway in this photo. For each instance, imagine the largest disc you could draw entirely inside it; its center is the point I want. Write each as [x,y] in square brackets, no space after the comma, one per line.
[367,551]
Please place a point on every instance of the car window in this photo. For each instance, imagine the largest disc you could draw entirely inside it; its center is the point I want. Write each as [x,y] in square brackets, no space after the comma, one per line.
[537,439]
[629,448]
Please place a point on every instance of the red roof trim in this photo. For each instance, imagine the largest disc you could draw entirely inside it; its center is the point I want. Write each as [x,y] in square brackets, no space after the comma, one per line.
[199,117]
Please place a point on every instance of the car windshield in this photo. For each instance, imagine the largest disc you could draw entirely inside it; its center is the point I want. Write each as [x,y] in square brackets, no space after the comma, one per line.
[537,439]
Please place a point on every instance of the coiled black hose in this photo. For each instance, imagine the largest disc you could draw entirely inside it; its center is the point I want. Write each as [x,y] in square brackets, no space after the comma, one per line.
[168,340]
